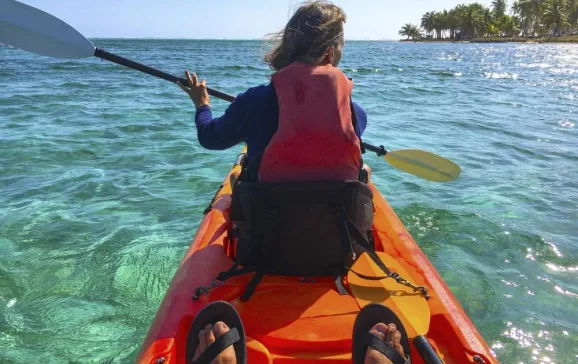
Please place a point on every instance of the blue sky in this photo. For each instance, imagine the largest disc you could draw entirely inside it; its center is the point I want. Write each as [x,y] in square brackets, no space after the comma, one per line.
[231,19]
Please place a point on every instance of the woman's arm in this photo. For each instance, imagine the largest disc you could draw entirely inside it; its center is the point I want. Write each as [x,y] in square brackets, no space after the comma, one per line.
[223,132]
[219,133]
[361,118]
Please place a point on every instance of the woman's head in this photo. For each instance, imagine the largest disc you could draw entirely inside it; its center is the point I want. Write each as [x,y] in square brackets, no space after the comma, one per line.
[313,35]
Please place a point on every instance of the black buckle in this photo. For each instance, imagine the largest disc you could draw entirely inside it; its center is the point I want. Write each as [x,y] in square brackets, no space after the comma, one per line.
[363,176]
[340,286]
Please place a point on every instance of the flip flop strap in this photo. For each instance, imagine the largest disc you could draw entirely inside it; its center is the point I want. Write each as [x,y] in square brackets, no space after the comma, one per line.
[216,348]
[378,344]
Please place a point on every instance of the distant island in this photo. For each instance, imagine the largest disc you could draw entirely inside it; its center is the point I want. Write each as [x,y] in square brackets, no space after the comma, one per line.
[551,21]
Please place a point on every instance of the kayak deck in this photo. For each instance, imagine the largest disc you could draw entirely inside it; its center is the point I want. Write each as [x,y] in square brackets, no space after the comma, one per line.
[295,320]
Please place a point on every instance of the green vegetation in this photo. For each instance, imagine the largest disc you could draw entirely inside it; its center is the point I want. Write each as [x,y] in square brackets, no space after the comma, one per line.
[410,31]
[544,19]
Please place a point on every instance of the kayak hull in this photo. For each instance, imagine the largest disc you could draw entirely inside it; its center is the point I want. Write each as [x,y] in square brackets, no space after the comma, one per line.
[293,320]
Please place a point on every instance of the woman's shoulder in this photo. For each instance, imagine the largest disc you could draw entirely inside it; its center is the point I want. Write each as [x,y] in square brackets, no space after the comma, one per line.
[359,110]
[258,93]
[257,100]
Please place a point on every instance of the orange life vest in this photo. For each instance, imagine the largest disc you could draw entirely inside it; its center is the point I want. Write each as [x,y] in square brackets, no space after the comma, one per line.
[315,139]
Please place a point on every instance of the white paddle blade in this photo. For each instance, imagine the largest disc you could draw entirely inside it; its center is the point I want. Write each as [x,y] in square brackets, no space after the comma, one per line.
[33,30]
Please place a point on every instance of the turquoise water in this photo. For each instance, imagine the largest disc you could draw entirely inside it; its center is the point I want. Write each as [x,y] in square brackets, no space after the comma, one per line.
[103,183]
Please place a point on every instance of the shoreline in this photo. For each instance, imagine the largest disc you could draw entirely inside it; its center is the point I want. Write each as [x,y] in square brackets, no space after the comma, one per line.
[569,39]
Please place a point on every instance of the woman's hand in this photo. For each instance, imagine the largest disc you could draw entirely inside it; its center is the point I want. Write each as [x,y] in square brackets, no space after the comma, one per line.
[196,90]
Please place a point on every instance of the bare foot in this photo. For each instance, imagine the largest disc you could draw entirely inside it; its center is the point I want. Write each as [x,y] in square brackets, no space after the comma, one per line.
[208,336]
[391,336]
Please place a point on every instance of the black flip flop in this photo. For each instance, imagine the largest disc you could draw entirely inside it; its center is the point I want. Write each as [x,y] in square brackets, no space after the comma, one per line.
[214,312]
[368,317]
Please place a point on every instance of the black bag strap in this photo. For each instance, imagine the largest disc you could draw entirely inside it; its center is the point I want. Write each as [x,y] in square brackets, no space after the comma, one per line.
[250,169]
[345,226]
[365,245]
[367,278]
[348,230]
[222,277]
[252,286]
[234,272]
[339,212]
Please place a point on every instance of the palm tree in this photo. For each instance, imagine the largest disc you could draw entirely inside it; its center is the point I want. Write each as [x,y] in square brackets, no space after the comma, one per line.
[499,7]
[427,22]
[573,14]
[536,10]
[415,32]
[445,21]
[525,10]
[460,13]
[555,15]
[439,24]
[409,31]
[452,22]
[511,26]
[475,19]
[507,25]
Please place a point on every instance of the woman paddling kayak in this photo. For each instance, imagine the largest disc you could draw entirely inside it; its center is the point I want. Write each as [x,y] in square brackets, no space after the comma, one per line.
[311,44]
[302,130]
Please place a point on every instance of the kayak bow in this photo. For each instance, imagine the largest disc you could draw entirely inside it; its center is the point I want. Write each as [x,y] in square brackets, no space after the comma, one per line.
[288,320]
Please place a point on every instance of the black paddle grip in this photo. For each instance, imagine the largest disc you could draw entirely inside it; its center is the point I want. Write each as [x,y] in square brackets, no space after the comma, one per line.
[379,150]
[101,53]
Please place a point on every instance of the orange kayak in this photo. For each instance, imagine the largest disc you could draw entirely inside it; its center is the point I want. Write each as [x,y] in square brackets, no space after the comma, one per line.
[293,320]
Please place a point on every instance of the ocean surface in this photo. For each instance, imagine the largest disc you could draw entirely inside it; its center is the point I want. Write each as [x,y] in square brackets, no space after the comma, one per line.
[103,184]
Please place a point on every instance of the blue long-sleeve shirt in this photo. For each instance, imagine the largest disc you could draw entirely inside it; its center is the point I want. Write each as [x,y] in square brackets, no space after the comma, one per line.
[252,118]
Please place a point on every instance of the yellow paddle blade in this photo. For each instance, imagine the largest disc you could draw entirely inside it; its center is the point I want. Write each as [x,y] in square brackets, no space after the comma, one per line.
[411,307]
[424,164]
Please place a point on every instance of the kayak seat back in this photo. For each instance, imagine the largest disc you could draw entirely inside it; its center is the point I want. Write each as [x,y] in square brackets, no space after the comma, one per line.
[296,229]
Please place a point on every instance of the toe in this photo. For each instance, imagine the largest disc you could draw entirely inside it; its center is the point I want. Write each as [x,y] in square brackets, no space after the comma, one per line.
[228,356]
[397,339]
[197,353]
[202,341]
[209,334]
[379,330]
[385,333]
[397,343]
[220,329]
[390,333]
[381,327]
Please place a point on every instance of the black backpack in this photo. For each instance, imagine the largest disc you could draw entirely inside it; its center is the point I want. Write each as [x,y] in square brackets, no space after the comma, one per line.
[305,229]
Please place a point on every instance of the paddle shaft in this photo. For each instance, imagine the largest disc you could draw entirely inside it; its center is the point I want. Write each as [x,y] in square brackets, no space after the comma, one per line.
[101,53]
[426,351]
